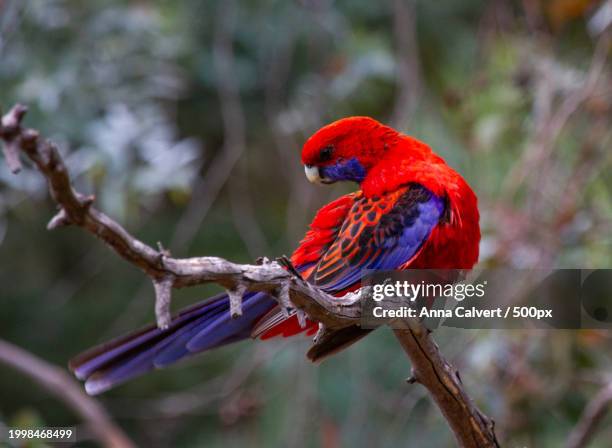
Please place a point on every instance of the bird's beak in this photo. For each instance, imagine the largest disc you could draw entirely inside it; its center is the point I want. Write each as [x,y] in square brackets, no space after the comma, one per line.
[312,174]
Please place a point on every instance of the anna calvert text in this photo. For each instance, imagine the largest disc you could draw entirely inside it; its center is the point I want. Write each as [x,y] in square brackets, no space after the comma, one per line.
[459,311]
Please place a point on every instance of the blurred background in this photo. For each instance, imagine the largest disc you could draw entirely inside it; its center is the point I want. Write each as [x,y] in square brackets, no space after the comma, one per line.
[186,120]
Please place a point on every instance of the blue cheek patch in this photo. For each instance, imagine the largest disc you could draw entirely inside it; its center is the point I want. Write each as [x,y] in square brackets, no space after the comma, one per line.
[349,169]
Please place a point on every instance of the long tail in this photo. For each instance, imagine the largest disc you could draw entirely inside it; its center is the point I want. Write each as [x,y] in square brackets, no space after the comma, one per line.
[201,327]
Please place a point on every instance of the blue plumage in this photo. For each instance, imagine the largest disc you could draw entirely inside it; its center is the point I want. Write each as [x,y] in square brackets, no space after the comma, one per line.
[344,170]
[207,325]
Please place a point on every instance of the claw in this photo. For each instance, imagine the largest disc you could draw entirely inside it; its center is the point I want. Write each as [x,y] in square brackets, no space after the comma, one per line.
[286,263]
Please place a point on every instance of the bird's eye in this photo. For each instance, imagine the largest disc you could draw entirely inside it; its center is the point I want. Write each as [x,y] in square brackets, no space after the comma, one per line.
[326,154]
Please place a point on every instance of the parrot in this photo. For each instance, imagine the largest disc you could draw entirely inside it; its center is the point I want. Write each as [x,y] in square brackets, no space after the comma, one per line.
[411,210]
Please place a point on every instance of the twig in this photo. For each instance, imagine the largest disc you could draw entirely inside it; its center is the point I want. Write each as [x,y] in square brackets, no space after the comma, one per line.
[592,415]
[470,426]
[59,384]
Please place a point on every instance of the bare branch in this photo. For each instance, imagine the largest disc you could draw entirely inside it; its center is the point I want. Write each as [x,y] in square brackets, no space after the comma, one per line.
[590,419]
[471,427]
[62,386]
[280,280]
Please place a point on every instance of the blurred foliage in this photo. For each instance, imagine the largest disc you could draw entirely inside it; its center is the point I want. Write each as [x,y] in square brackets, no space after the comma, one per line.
[186,119]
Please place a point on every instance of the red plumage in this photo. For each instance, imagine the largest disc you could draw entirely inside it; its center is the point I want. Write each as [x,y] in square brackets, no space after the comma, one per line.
[392,161]
[412,211]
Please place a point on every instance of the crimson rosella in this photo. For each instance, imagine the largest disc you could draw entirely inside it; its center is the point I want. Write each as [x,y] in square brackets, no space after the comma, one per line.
[412,211]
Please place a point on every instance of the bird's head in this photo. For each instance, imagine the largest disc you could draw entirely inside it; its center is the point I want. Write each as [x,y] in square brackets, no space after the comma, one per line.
[346,150]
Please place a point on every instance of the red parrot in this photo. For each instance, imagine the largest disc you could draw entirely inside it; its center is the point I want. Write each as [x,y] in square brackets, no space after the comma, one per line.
[412,211]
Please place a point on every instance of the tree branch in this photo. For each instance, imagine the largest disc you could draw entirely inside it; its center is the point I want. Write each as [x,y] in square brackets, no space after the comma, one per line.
[58,383]
[470,426]
[591,417]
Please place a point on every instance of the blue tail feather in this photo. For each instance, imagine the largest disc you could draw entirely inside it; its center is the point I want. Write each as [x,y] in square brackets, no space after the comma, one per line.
[199,328]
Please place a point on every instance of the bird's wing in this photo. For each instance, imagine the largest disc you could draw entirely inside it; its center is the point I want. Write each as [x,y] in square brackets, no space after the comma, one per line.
[381,233]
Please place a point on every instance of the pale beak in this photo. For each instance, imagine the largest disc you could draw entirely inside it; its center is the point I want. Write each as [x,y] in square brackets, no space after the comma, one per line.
[312,174]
